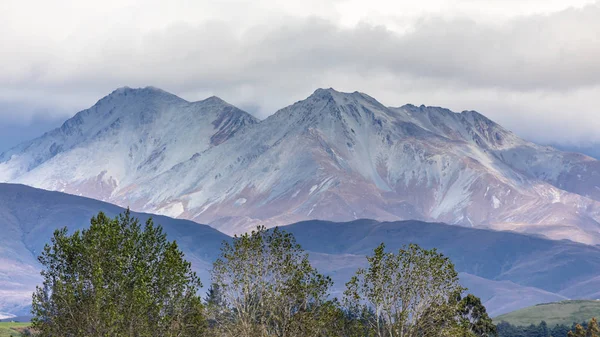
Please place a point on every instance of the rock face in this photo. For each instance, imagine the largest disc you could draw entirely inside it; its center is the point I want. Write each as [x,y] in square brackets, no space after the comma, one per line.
[126,138]
[333,156]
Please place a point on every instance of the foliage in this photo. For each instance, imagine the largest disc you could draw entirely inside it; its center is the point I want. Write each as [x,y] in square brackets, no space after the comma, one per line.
[411,293]
[119,279]
[115,279]
[592,329]
[473,317]
[579,331]
[589,329]
[268,288]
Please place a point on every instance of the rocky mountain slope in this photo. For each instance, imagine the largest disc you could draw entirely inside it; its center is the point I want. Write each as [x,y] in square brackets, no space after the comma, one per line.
[126,138]
[333,156]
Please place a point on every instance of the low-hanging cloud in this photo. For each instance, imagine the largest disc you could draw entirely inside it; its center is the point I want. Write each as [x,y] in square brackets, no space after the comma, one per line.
[537,74]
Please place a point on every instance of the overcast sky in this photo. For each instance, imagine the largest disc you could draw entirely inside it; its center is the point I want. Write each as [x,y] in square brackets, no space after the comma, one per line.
[531,65]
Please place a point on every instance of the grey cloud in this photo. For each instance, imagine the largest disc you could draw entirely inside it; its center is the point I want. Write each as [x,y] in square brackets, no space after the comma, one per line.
[19,123]
[557,51]
[536,65]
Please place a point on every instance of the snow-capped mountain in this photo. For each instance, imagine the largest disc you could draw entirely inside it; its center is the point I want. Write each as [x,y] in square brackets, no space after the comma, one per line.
[335,156]
[126,138]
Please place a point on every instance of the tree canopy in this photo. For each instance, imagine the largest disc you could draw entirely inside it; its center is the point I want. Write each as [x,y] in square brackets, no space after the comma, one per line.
[410,293]
[116,278]
[268,287]
[121,278]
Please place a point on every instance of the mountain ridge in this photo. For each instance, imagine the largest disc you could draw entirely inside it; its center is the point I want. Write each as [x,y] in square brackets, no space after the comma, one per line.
[333,156]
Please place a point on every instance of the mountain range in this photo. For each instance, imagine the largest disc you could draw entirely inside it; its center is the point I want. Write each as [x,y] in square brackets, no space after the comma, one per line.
[507,270]
[333,156]
[524,219]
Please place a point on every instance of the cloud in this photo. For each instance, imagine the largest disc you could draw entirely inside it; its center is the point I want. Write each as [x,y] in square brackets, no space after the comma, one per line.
[536,73]
[16,127]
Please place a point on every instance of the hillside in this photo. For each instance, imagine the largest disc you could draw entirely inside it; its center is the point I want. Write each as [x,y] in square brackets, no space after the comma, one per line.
[334,156]
[565,312]
[8,329]
[507,270]
[29,216]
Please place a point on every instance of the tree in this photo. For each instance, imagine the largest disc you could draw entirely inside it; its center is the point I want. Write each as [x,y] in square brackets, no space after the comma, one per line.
[116,279]
[473,317]
[579,331]
[214,296]
[559,330]
[269,288]
[411,293]
[215,305]
[592,329]
[543,330]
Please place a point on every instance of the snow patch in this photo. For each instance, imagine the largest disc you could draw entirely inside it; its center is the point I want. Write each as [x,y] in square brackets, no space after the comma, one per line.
[496,202]
[555,196]
[311,210]
[174,210]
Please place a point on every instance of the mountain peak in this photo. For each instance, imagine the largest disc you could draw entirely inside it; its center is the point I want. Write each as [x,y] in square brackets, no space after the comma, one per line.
[345,98]
[325,91]
[148,90]
[144,93]
[322,94]
[331,92]
[476,115]
[214,100]
[331,109]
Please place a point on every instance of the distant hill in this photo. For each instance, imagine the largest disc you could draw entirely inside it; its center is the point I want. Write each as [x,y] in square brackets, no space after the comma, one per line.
[8,329]
[508,271]
[565,312]
[17,319]
[29,216]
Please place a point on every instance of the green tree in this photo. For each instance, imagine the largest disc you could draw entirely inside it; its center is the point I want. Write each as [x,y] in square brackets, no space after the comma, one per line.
[269,288]
[543,330]
[411,293]
[473,317]
[559,330]
[116,279]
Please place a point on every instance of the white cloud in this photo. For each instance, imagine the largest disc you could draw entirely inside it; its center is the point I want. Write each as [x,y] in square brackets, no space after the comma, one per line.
[530,64]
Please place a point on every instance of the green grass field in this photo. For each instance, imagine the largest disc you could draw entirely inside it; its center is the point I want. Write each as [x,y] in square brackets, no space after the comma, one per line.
[11,329]
[565,312]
